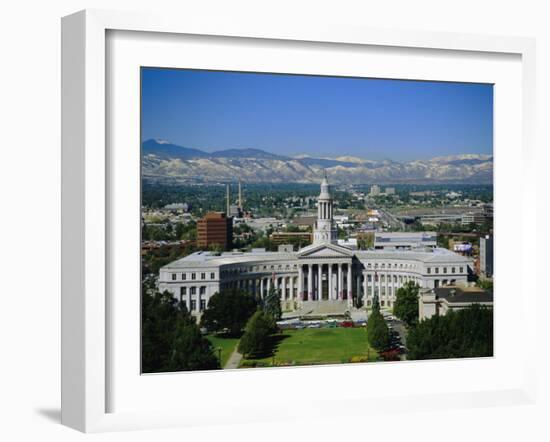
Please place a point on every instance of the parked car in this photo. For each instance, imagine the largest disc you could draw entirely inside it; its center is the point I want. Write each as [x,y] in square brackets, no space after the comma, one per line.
[347,324]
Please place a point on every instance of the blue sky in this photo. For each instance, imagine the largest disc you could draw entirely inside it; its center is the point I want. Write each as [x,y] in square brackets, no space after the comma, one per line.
[316,116]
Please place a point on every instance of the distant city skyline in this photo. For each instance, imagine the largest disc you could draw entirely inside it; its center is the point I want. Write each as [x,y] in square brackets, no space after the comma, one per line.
[316,116]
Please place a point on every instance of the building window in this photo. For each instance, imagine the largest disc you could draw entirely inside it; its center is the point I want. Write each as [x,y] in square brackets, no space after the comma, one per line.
[452,269]
[444,269]
[183,291]
[203,275]
[202,290]
[174,276]
[437,270]
[212,275]
[193,305]
[193,276]
[369,278]
[461,269]
[184,276]
[202,305]
[193,290]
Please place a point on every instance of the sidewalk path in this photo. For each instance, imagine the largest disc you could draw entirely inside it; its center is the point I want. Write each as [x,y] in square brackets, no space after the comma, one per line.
[234,360]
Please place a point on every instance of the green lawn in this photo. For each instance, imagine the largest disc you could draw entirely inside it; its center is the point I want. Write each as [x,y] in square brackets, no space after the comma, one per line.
[318,346]
[226,344]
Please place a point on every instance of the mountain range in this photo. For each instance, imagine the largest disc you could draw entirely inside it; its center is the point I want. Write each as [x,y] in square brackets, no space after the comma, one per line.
[169,163]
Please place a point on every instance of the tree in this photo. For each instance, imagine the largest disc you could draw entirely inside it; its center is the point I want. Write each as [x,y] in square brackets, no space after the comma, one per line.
[191,351]
[406,303]
[229,309]
[375,303]
[485,284]
[272,304]
[171,340]
[461,334]
[377,331]
[255,340]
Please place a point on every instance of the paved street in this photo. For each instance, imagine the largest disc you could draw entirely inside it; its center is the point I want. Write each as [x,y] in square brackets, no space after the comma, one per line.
[399,327]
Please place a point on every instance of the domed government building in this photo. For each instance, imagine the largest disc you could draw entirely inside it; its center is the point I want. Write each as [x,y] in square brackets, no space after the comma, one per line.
[322,279]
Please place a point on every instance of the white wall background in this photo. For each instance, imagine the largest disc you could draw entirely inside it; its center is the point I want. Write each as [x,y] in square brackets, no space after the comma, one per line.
[30,220]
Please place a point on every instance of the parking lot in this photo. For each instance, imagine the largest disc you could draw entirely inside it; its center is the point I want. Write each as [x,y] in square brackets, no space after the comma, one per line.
[297,324]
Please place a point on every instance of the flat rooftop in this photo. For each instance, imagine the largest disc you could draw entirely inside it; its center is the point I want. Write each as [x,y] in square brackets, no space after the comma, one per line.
[463,294]
[211,259]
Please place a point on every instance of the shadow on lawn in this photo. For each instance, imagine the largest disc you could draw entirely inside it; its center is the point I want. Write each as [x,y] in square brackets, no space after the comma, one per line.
[272,346]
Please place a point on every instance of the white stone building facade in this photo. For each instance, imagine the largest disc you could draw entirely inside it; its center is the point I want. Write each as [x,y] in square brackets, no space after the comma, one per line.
[323,271]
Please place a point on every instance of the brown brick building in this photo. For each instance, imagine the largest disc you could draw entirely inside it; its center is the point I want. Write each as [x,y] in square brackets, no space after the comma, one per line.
[215,228]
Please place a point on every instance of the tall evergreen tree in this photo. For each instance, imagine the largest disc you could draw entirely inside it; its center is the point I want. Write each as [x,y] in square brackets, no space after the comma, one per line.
[272,304]
[377,331]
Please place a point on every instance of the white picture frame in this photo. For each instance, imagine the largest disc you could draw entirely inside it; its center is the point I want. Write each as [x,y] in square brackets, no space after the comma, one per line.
[85,201]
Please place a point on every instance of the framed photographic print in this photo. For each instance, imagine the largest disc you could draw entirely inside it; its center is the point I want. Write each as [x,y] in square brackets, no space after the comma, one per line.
[303,219]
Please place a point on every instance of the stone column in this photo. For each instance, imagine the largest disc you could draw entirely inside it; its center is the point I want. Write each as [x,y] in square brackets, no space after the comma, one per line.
[330,291]
[340,282]
[358,285]
[365,287]
[268,284]
[291,296]
[189,299]
[387,288]
[310,282]
[349,285]
[283,289]
[300,282]
[320,284]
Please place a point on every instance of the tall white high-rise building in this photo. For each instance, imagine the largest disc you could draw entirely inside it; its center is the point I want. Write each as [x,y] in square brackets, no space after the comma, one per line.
[375,190]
